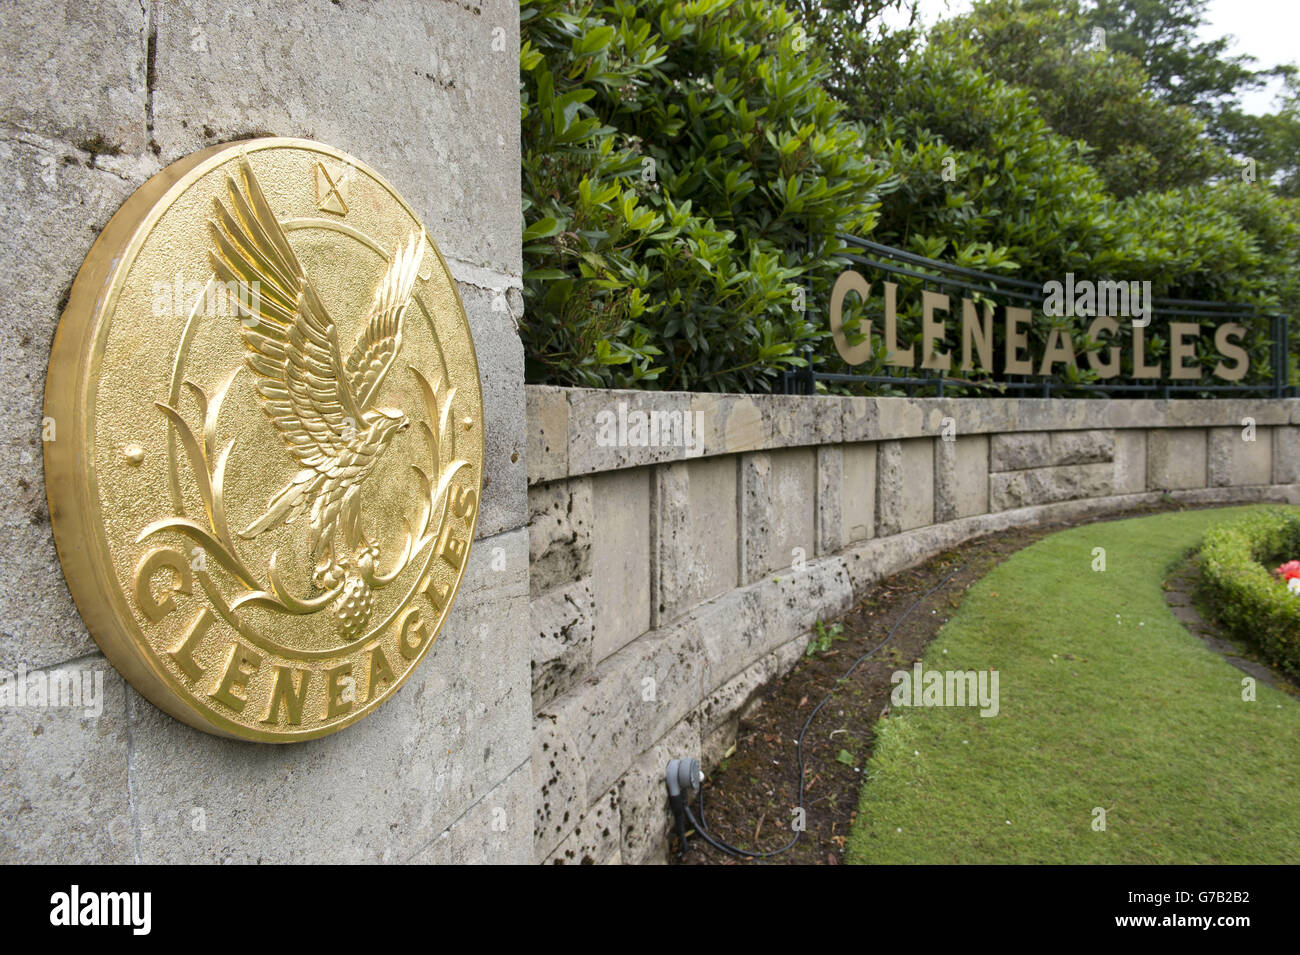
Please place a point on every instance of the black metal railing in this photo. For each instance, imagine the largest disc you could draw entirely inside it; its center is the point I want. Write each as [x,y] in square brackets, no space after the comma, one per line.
[949,278]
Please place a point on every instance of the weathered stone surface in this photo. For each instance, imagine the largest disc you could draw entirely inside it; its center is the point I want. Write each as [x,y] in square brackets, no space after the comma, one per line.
[670,541]
[611,430]
[64,796]
[1125,414]
[777,501]
[914,417]
[732,424]
[631,700]
[729,424]
[743,638]
[904,485]
[643,798]
[829,504]
[961,483]
[620,558]
[889,487]
[561,639]
[1082,447]
[76,72]
[488,832]
[798,420]
[1218,456]
[901,418]
[52,209]
[435,115]
[858,492]
[868,562]
[790,604]
[548,433]
[793,494]
[1130,461]
[1286,455]
[1176,458]
[559,533]
[501,373]
[1057,414]
[697,556]
[559,781]
[497,568]
[792,651]
[1012,489]
[795,420]
[720,713]
[755,505]
[1237,456]
[1224,412]
[383,789]
[595,838]
[735,630]
[1016,452]
[861,418]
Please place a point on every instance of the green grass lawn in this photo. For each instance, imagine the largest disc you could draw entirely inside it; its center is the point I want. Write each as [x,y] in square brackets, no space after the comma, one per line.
[1144,721]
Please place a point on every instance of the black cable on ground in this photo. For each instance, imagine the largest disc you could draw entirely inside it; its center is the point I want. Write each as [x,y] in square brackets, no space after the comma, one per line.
[701,826]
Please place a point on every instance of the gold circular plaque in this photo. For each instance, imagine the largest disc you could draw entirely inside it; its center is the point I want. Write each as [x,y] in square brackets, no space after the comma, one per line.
[264,440]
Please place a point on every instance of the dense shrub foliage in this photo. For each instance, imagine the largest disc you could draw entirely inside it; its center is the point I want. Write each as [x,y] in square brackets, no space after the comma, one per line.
[1254,605]
[686,172]
[685,177]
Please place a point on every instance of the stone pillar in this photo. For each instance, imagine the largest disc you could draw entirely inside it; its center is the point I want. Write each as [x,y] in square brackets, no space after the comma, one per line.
[98,97]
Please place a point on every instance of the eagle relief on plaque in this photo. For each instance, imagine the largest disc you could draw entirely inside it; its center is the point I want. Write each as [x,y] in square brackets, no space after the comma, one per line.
[267,456]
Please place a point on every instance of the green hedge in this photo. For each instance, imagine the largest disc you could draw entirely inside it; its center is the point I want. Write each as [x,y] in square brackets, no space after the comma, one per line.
[1236,563]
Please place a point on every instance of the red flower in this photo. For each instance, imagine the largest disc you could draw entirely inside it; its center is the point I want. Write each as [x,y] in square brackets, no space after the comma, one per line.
[1289,571]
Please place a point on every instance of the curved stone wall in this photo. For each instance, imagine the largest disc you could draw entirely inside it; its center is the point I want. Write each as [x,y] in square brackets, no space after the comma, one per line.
[683,545]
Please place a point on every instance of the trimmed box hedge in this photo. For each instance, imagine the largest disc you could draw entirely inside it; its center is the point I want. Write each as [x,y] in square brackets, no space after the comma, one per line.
[1236,563]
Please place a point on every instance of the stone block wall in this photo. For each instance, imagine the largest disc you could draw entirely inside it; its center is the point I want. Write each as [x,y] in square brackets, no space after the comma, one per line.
[670,583]
[94,99]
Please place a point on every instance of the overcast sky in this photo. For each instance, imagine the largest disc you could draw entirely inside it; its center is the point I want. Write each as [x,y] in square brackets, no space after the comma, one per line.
[1265,29]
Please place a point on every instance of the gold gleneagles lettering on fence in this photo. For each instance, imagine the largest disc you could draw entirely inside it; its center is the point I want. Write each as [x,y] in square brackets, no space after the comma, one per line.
[267,450]
[977,338]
